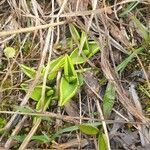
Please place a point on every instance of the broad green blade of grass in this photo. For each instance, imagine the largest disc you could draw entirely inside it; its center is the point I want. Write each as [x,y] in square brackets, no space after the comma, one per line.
[108,100]
[123,65]
[66,130]
[145,91]
[39,138]
[144,32]
[129,8]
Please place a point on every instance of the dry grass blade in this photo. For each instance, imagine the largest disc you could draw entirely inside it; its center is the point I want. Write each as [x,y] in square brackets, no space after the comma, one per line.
[72,143]
[15,132]
[31,29]
[93,85]
[104,124]
[48,41]
[31,133]
[51,115]
[70,118]
[143,131]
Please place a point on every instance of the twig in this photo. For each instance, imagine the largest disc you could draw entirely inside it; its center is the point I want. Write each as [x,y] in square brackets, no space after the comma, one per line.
[15,132]
[68,118]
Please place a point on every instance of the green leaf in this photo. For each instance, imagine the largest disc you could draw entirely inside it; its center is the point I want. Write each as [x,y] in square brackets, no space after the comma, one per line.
[67,90]
[18,138]
[86,52]
[108,100]
[47,101]
[76,58]
[50,92]
[88,129]
[30,72]
[55,66]
[80,79]
[102,142]
[36,93]
[123,65]
[93,48]
[84,41]
[39,107]
[69,82]
[74,33]
[9,52]
[69,71]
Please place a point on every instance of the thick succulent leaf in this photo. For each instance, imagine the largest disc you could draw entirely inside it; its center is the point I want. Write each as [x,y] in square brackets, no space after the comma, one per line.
[36,93]
[69,71]
[74,32]
[76,58]
[67,90]
[30,72]
[84,41]
[55,66]
[93,48]
[102,142]
[47,101]
[9,52]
